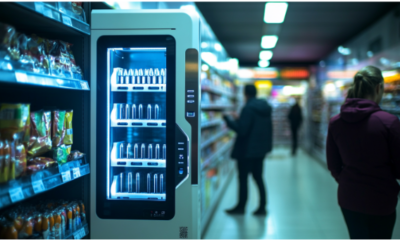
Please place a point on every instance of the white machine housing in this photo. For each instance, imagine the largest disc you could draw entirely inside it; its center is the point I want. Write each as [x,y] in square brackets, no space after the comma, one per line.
[185,28]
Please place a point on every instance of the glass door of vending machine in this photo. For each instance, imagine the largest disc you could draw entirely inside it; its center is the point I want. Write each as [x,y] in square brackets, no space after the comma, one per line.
[135,169]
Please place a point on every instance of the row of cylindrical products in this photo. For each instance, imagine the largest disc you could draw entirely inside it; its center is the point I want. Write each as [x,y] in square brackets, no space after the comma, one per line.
[158,183]
[130,111]
[135,154]
[140,76]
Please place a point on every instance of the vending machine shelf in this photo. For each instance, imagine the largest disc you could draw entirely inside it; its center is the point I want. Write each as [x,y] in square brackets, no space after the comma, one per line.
[131,115]
[134,194]
[138,123]
[121,82]
[138,87]
[138,163]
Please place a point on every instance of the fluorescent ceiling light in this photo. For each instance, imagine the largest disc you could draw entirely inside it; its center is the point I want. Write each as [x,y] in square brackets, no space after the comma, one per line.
[204,45]
[204,67]
[263,63]
[275,12]
[218,47]
[344,51]
[266,55]
[209,58]
[269,41]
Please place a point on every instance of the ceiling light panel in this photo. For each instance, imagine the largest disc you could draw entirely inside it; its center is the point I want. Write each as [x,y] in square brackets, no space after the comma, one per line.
[275,12]
[263,63]
[266,55]
[269,41]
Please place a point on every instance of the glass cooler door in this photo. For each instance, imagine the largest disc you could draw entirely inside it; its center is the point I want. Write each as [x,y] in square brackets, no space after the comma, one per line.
[138,168]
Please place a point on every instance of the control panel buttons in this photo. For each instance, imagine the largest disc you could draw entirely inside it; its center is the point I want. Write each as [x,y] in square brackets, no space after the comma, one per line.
[190,114]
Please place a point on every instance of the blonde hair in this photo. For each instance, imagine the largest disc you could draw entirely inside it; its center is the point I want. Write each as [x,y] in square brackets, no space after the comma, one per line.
[365,81]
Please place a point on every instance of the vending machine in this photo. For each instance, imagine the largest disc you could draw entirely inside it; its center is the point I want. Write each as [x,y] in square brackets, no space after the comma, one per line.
[145,124]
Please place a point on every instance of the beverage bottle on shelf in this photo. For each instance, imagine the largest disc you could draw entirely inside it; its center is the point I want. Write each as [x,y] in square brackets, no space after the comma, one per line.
[138,182]
[125,76]
[164,148]
[150,152]
[147,77]
[152,77]
[136,151]
[121,111]
[155,182]
[121,150]
[140,115]
[157,155]
[148,183]
[141,77]
[127,111]
[143,151]
[120,76]
[161,183]
[163,76]
[130,182]
[137,77]
[128,150]
[129,78]
[157,76]
[156,112]
[148,111]
[121,182]
[134,116]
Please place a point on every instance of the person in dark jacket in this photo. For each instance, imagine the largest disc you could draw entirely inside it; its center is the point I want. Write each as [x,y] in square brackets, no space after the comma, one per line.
[363,155]
[253,141]
[295,118]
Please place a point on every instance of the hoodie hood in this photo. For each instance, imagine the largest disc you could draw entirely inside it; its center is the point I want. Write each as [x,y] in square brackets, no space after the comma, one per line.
[261,107]
[357,109]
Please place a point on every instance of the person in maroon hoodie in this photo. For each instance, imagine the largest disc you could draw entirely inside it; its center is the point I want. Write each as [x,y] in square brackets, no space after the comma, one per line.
[363,155]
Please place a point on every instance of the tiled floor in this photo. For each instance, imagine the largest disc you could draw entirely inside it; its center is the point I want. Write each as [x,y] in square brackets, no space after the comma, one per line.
[301,204]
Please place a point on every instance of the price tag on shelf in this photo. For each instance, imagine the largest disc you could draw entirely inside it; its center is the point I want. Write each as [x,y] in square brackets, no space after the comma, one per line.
[48,12]
[21,77]
[66,176]
[38,186]
[67,20]
[81,233]
[39,7]
[16,194]
[76,172]
[84,85]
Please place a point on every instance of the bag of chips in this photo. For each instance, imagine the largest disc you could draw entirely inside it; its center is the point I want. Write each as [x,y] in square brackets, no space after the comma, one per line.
[14,119]
[40,141]
[58,128]
[19,160]
[68,139]
[60,154]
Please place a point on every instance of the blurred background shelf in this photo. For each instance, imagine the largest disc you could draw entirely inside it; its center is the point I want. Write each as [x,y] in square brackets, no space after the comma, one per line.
[214,158]
[214,138]
[211,123]
[217,107]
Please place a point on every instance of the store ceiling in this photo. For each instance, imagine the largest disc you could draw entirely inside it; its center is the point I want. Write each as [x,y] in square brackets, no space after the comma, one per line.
[311,30]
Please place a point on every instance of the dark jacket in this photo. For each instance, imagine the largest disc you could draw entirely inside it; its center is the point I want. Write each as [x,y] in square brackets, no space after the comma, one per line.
[295,116]
[253,129]
[363,155]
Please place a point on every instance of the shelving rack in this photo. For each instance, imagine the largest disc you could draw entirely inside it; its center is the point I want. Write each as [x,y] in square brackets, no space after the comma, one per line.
[69,181]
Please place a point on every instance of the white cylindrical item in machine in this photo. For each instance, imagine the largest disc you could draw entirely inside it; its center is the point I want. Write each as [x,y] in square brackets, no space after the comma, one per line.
[136,151]
[130,182]
[137,76]
[138,182]
[164,149]
[143,151]
[141,77]
[149,111]
[148,183]
[140,113]
[150,151]
[157,153]
[121,150]
[161,183]
[134,111]
[156,112]
[121,182]
[157,76]
[128,150]
[121,111]
[155,183]
[127,111]
[124,76]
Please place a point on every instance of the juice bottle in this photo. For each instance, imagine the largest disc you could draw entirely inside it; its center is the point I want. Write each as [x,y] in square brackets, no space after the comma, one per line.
[57,224]
[45,226]
[78,219]
[83,212]
[6,161]
[69,218]
[51,220]
[38,223]
[10,232]
[27,228]
[18,222]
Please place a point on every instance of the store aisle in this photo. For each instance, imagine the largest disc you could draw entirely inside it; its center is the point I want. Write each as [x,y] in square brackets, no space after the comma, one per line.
[301,203]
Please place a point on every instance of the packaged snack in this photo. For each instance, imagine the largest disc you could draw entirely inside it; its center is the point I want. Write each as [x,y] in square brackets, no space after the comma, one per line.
[60,154]
[4,175]
[68,139]
[74,155]
[7,34]
[76,70]
[40,141]
[14,118]
[34,168]
[65,59]
[42,161]
[37,49]
[58,131]
[54,58]
[19,157]
[26,61]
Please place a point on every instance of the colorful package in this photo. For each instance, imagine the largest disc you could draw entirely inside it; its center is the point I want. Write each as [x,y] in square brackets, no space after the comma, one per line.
[19,161]
[60,154]
[58,128]
[68,139]
[14,119]
[40,141]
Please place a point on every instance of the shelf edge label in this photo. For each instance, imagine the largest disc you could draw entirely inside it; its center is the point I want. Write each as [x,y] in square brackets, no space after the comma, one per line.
[38,186]
[76,172]
[66,176]
[16,194]
[67,20]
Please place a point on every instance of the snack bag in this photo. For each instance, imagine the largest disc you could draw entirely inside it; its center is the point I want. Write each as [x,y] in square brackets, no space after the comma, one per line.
[60,154]
[65,59]
[74,155]
[58,131]
[40,141]
[7,52]
[26,61]
[37,48]
[44,162]
[19,157]
[4,175]
[14,118]
[68,139]
[52,49]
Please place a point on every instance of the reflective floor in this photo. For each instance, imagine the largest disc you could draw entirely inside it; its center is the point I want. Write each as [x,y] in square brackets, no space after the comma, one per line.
[302,203]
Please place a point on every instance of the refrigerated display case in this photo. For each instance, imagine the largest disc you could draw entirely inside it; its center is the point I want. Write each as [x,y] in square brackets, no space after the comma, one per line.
[146,124]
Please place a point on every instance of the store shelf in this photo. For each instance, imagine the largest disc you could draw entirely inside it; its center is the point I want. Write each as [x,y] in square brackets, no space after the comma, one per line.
[211,161]
[217,91]
[138,163]
[28,186]
[28,78]
[214,138]
[211,123]
[217,107]
[138,123]
[39,17]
